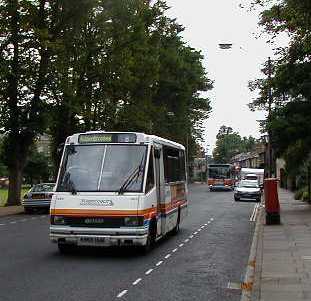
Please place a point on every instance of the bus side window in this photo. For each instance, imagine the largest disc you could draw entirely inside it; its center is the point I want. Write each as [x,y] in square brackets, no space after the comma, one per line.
[150,174]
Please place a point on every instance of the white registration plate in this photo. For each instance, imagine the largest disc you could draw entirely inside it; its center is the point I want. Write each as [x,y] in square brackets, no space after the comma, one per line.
[92,241]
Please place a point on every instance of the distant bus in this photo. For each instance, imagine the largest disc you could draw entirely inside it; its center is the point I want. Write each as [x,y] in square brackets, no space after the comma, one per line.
[221,176]
[118,188]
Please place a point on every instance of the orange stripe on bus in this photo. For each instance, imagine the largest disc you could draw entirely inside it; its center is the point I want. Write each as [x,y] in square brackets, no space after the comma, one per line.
[147,213]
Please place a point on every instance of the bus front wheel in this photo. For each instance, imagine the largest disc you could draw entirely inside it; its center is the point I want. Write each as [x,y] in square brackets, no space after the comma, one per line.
[150,238]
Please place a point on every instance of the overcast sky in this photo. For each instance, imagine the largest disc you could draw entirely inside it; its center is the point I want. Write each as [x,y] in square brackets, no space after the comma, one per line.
[208,23]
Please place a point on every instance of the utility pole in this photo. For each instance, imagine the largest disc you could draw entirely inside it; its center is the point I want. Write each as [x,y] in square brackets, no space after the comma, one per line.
[270,100]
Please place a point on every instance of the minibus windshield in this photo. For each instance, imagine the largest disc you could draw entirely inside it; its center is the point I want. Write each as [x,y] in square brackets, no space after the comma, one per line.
[101,168]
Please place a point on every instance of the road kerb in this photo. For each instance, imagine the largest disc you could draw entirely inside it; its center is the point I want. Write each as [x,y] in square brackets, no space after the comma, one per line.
[248,284]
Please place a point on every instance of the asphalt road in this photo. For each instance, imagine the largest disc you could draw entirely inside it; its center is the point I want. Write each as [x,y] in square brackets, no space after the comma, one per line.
[210,251]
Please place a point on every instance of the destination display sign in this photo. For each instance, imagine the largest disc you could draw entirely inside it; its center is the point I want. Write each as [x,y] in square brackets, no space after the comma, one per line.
[107,138]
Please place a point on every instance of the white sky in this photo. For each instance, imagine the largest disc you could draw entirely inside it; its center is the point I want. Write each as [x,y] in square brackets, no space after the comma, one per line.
[207,23]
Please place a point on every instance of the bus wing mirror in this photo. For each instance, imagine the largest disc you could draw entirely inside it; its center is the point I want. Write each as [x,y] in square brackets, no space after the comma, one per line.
[60,148]
[157,153]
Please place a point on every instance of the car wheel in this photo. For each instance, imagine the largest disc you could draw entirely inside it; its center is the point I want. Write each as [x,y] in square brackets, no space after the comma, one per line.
[28,210]
[65,248]
[236,199]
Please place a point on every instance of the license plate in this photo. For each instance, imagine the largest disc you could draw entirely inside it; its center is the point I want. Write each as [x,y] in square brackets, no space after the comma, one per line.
[38,196]
[92,241]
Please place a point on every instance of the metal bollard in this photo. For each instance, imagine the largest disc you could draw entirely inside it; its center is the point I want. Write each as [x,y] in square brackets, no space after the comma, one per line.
[272,204]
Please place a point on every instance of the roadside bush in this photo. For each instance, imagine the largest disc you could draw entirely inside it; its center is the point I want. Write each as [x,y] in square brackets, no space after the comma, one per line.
[299,193]
[305,196]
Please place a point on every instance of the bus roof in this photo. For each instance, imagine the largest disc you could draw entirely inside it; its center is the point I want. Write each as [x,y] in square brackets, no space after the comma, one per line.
[140,138]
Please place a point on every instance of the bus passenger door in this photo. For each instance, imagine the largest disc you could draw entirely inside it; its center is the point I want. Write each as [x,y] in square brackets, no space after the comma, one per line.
[158,155]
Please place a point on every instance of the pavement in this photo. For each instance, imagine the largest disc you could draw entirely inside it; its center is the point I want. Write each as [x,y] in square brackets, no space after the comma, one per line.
[11,210]
[283,257]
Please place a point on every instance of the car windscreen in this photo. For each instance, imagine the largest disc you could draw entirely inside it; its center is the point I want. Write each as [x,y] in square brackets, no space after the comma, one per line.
[219,172]
[251,178]
[102,168]
[248,185]
[43,187]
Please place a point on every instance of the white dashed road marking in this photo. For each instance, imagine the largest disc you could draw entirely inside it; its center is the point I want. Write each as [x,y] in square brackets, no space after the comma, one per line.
[136,281]
[149,271]
[122,294]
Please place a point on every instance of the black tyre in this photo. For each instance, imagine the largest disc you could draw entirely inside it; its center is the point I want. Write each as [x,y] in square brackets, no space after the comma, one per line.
[236,199]
[175,230]
[65,248]
[151,238]
[28,210]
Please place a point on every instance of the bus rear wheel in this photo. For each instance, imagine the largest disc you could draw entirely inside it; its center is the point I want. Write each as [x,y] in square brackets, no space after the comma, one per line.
[175,230]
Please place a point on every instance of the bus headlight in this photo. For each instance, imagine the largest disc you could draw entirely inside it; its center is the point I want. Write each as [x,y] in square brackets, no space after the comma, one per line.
[58,220]
[133,221]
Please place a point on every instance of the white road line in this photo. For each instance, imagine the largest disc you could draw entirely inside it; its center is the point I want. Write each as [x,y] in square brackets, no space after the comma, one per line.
[43,216]
[203,227]
[34,218]
[191,236]
[13,222]
[254,213]
[205,224]
[23,220]
[186,240]
[181,245]
[149,271]
[122,294]
[199,229]
[136,281]
[195,233]
[174,250]
[2,224]
[209,222]
[212,219]
[167,256]
[159,263]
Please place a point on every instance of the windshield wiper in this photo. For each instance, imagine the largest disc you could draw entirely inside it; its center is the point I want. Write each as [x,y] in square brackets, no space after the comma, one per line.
[71,186]
[133,176]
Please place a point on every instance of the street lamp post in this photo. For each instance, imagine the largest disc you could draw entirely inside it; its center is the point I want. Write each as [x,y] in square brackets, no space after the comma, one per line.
[269,154]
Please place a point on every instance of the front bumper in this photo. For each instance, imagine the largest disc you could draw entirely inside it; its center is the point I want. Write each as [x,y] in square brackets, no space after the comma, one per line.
[248,196]
[82,236]
[36,203]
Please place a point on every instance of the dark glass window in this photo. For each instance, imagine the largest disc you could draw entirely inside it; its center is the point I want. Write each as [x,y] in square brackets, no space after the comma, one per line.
[174,164]
[150,174]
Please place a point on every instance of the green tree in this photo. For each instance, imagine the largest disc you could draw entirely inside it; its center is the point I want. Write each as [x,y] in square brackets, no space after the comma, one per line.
[230,143]
[3,167]
[290,82]
[37,168]
[29,37]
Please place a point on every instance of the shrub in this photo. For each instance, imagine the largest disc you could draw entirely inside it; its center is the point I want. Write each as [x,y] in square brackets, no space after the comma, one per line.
[305,196]
[299,193]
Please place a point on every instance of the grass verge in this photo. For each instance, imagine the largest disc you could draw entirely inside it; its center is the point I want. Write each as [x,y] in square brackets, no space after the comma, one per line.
[4,194]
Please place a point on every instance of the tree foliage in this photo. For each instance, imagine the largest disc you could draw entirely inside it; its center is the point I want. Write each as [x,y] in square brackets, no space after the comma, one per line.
[230,143]
[290,81]
[79,65]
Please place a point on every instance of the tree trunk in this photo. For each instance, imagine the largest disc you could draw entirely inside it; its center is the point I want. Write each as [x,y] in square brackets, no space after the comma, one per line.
[15,184]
